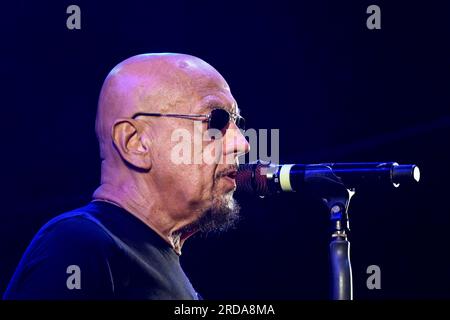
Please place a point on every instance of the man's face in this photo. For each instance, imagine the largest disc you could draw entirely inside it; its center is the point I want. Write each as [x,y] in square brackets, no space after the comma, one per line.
[196,167]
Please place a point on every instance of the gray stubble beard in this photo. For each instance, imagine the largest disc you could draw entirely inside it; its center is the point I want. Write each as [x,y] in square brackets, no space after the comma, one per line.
[222,215]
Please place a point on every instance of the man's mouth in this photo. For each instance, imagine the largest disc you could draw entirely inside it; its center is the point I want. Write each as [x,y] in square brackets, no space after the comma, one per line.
[230,172]
[230,176]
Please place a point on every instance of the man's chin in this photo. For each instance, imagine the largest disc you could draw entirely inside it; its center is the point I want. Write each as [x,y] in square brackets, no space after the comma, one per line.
[223,214]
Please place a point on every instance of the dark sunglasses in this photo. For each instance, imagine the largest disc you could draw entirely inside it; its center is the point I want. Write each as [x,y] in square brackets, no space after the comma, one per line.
[217,119]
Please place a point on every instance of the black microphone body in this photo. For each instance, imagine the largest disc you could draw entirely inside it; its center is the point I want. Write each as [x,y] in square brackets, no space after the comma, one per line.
[264,179]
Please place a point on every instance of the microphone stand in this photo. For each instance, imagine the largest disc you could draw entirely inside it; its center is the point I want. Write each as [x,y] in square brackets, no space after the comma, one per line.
[341,270]
[324,184]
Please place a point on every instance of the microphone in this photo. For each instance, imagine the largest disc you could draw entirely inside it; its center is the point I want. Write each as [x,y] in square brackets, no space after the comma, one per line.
[266,178]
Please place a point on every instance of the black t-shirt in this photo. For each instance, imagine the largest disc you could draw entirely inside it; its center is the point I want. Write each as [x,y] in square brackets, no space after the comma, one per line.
[99,251]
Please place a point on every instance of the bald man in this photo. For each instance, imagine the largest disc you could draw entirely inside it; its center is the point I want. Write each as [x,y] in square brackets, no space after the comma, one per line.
[126,243]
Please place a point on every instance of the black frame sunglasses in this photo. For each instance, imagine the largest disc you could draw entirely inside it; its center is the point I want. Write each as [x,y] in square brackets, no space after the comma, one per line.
[218,118]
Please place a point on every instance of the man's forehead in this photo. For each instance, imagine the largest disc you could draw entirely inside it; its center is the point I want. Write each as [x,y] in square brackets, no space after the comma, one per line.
[211,91]
[215,101]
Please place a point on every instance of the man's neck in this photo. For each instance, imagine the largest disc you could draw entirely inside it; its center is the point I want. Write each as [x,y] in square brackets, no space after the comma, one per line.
[145,209]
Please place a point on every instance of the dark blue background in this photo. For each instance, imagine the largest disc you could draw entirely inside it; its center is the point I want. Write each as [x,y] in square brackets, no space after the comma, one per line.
[336,90]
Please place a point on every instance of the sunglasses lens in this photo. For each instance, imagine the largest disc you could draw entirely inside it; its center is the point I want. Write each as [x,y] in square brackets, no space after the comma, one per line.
[240,122]
[219,119]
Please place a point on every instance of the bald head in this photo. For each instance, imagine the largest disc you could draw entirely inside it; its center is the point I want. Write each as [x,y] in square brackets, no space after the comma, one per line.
[138,170]
[163,82]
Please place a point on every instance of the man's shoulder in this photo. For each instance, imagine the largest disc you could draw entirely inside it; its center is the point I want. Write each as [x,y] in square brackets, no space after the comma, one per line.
[84,215]
[75,239]
[76,227]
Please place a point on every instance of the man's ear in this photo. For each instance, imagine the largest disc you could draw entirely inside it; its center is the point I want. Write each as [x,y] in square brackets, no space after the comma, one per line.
[132,145]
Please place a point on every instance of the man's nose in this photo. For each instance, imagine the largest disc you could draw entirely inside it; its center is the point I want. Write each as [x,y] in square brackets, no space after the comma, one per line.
[235,142]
